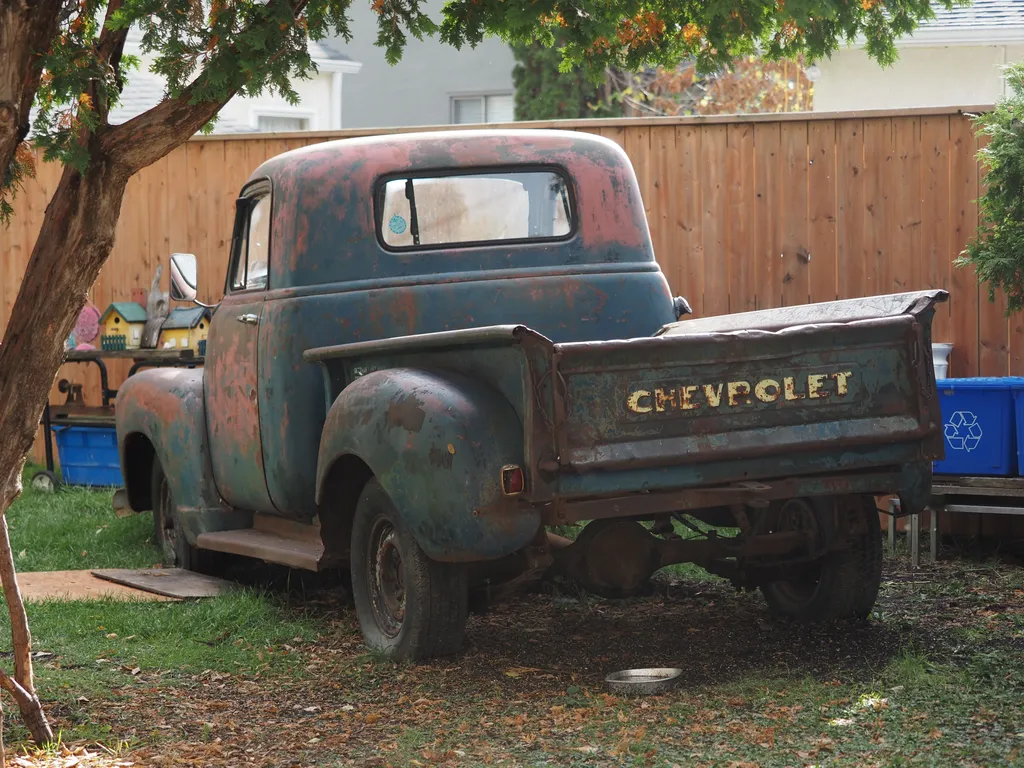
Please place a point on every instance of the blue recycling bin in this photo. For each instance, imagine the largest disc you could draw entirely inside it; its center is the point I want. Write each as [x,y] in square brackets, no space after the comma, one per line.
[88,456]
[1018,398]
[979,424]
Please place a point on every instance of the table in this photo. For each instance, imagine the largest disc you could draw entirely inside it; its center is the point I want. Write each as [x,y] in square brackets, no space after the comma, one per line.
[970,495]
[79,414]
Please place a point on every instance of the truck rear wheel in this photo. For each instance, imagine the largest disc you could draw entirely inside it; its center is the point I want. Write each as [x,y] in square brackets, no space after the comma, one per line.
[843,583]
[409,606]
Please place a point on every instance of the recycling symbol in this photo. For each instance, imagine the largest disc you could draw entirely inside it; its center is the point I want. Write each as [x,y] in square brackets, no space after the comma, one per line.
[963,432]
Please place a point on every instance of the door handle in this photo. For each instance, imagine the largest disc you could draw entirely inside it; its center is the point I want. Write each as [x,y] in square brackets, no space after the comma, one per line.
[248,319]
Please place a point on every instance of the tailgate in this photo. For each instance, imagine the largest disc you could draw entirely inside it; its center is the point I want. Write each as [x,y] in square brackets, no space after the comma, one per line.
[849,380]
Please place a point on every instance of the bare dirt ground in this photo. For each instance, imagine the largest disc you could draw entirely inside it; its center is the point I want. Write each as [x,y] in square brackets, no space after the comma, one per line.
[936,677]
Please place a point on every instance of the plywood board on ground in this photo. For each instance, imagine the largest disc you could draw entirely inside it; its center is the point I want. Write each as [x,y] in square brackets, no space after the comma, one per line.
[76,585]
[170,582]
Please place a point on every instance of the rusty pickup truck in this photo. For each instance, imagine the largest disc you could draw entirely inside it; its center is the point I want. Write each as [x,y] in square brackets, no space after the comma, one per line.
[434,348]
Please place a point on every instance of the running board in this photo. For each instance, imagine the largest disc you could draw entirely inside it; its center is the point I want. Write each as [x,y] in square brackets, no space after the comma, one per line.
[271,539]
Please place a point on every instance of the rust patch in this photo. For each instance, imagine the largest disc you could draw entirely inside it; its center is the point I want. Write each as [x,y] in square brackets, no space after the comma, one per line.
[406,412]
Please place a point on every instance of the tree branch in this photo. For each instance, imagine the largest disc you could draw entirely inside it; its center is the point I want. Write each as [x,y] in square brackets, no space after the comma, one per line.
[26,29]
[147,137]
[19,619]
[109,50]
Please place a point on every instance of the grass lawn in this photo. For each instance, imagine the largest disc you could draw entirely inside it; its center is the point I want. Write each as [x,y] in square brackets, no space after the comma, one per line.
[278,677]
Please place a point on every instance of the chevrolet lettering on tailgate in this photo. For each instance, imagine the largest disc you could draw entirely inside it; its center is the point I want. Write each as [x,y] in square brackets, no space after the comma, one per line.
[735,394]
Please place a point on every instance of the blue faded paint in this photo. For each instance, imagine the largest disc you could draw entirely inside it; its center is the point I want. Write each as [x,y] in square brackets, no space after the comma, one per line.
[587,307]
[437,442]
[166,407]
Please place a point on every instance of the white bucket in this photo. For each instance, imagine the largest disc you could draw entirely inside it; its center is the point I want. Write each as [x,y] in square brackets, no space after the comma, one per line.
[940,359]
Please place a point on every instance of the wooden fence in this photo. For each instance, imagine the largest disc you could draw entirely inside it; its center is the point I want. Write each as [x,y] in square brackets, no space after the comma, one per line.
[747,212]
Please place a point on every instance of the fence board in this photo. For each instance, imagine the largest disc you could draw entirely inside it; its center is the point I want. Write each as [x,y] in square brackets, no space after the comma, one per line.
[821,183]
[715,224]
[767,238]
[663,232]
[906,230]
[795,277]
[879,202]
[932,262]
[851,209]
[876,236]
[963,191]
[687,263]
[740,200]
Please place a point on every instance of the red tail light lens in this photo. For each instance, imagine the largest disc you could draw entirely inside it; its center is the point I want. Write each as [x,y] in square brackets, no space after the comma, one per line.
[512,480]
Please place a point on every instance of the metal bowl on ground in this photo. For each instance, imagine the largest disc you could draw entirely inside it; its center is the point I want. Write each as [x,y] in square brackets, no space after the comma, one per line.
[643,681]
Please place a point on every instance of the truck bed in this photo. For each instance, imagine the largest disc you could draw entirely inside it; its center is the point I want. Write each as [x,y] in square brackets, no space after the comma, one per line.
[840,387]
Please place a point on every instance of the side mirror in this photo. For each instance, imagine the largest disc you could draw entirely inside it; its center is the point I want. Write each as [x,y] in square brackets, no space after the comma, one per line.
[184,284]
[681,306]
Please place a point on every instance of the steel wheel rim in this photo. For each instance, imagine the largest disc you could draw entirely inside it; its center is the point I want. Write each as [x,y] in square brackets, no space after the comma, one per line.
[43,483]
[386,576]
[168,528]
[799,515]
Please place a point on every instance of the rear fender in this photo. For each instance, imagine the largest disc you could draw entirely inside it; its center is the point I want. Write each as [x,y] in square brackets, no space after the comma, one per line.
[161,413]
[436,442]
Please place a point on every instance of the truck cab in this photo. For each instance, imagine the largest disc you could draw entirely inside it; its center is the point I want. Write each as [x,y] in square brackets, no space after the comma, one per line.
[431,347]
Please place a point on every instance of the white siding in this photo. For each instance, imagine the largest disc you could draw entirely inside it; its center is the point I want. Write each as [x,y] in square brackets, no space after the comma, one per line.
[922,77]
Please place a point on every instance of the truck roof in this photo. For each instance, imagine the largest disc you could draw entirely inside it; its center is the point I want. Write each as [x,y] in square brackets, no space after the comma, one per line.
[324,228]
[446,150]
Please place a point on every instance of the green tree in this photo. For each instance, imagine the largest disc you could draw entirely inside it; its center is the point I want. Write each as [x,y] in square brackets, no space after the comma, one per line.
[997,250]
[544,92]
[67,58]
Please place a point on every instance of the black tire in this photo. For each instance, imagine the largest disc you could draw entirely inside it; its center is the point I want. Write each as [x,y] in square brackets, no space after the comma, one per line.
[867,548]
[409,607]
[167,533]
[844,583]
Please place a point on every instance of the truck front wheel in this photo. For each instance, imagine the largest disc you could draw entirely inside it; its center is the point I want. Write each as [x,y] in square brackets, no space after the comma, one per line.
[409,606]
[844,582]
[167,532]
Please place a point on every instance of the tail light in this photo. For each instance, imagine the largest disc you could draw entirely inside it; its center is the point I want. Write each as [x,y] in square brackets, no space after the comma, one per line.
[513,482]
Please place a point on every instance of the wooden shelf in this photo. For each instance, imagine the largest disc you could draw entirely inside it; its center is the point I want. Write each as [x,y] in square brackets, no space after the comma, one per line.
[154,355]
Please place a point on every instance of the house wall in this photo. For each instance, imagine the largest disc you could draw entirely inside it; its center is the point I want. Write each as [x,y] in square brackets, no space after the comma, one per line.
[417,90]
[922,77]
[314,103]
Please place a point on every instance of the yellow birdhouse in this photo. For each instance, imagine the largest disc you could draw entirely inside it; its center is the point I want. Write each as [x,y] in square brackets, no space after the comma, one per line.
[121,326]
[185,329]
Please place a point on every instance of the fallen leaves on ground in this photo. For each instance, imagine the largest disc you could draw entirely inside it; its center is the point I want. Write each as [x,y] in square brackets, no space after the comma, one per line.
[528,689]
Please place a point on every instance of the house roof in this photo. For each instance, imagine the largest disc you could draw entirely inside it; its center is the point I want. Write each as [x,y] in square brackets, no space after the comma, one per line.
[182,318]
[131,311]
[320,50]
[981,13]
[983,22]
[145,90]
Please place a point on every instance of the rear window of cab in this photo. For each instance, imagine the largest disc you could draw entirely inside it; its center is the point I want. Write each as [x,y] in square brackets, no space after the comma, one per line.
[472,208]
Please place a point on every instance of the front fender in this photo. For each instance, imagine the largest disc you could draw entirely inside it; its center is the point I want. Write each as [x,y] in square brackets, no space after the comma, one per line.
[166,407]
[437,442]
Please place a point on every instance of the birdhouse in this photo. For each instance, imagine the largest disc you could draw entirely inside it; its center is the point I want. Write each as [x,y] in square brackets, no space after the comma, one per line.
[185,329]
[121,326]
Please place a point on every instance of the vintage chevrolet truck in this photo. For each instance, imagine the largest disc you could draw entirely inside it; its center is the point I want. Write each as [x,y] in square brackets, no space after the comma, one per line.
[432,348]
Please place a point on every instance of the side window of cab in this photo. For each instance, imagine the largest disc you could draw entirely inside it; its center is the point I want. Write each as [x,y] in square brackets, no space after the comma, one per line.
[251,258]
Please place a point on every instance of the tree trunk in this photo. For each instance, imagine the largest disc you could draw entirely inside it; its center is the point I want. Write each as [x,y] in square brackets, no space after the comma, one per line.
[76,237]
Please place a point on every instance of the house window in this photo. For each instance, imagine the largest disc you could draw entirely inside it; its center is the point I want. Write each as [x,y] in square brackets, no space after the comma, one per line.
[483,109]
[281,124]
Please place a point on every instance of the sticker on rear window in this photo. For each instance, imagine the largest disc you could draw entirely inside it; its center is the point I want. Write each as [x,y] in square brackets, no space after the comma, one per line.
[397,224]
